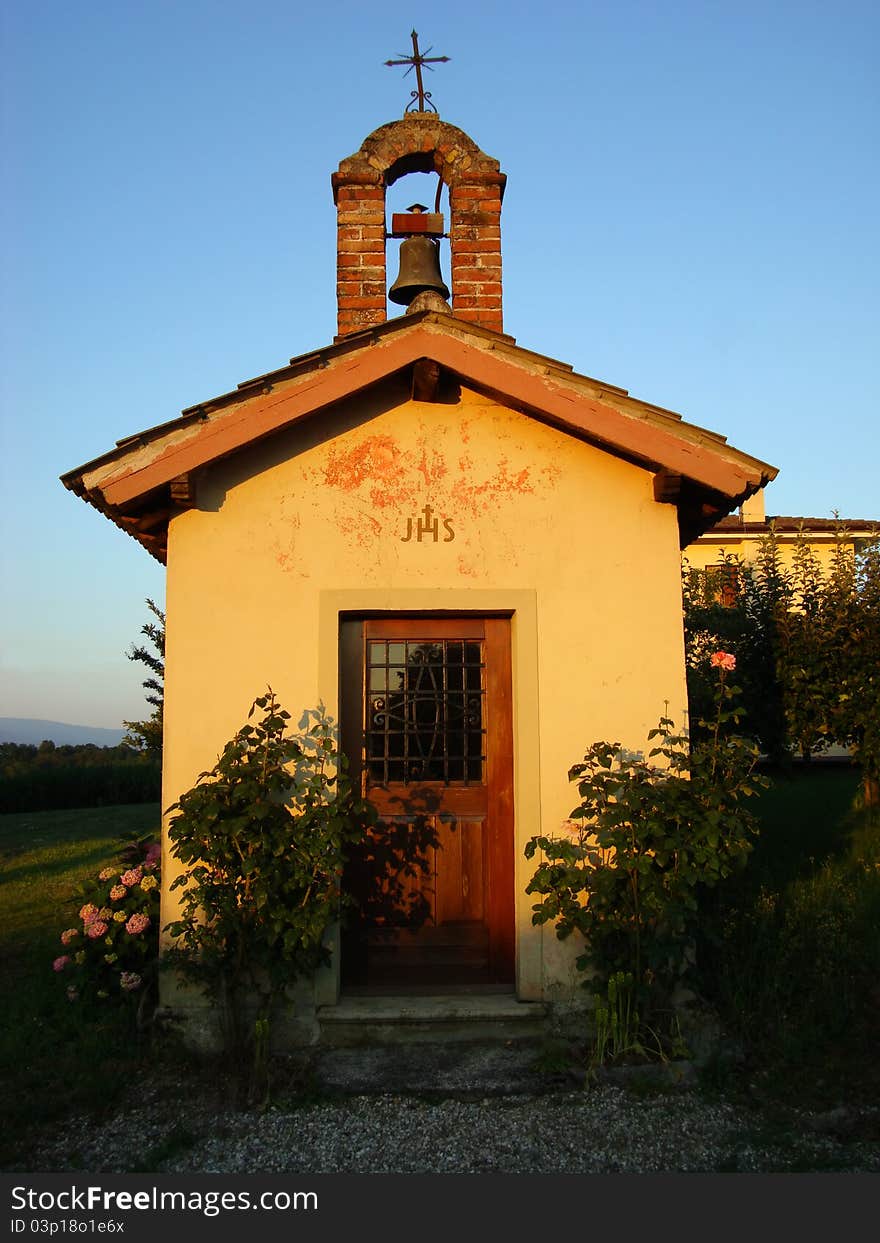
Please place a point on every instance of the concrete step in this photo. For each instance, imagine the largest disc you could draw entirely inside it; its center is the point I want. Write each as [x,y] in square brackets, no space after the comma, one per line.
[362,1021]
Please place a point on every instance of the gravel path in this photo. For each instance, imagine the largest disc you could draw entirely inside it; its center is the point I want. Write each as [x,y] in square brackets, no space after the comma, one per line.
[169,1128]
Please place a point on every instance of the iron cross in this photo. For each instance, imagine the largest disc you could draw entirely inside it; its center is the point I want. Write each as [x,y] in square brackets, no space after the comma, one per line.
[415,62]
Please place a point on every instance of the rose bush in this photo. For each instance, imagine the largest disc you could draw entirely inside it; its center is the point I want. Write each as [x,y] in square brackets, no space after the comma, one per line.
[649,835]
[723,660]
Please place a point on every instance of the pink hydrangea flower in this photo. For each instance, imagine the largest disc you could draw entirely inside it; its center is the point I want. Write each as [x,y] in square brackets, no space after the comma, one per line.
[137,923]
[68,935]
[153,855]
[97,928]
[723,660]
[117,893]
[132,876]
[107,873]
[130,981]
[89,913]
[60,963]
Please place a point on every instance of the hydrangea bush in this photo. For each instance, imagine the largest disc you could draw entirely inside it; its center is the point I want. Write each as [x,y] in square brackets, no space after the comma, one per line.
[111,954]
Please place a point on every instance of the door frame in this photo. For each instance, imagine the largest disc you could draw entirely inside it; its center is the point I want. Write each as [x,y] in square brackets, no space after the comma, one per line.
[520,606]
[498,858]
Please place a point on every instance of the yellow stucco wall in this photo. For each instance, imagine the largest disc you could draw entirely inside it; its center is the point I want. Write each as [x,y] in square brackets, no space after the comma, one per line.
[566,538]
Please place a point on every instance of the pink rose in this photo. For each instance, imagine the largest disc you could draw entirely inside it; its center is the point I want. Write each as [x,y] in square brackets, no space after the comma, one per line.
[97,928]
[131,877]
[60,963]
[723,660]
[137,923]
[68,935]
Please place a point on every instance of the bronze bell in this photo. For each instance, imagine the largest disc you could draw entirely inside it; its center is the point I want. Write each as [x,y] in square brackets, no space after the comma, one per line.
[419,270]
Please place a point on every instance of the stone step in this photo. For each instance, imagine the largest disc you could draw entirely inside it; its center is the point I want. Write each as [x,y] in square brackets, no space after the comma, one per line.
[381,1020]
[433,1070]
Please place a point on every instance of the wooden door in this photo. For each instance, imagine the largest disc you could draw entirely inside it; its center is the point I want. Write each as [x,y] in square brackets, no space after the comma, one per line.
[426,723]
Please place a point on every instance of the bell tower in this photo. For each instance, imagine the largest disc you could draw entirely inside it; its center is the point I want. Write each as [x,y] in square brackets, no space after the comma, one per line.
[418,143]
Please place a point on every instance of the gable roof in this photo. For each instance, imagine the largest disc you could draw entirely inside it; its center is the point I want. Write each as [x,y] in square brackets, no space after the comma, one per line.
[146,478]
[736,527]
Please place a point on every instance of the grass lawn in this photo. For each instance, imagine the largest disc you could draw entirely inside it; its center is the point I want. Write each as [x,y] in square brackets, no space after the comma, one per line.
[806,817]
[52,1054]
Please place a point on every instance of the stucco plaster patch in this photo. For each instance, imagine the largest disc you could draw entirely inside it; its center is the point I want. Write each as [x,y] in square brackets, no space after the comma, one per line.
[382,480]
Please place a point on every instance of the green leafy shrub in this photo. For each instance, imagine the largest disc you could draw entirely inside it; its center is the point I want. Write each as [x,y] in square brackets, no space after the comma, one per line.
[794,970]
[111,954]
[647,837]
[264,837]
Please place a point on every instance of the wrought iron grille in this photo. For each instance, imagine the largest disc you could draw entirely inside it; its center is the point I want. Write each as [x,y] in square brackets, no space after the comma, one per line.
[425,711]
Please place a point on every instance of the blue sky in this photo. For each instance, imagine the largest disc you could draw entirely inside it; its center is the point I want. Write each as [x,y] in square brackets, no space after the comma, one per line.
[691,213]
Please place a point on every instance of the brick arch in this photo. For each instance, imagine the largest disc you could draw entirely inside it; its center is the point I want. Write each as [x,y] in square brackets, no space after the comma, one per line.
[419,142]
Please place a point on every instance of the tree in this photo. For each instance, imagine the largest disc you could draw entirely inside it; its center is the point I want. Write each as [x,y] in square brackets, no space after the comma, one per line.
[147,735]
[744,621]
[850,658]
[807,644]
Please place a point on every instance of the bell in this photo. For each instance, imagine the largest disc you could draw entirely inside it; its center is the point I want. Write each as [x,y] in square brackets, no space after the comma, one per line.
[419,270]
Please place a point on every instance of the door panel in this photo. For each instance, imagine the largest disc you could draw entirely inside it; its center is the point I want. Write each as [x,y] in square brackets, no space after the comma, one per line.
[458,871]
[426,706]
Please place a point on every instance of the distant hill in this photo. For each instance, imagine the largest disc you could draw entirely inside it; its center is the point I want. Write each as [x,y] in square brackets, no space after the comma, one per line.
[23,729]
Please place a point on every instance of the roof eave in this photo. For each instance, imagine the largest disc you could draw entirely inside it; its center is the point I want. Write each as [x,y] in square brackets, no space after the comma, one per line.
[719,477]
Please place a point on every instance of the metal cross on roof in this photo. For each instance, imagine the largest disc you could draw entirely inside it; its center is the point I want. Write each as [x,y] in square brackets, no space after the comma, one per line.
[420,97]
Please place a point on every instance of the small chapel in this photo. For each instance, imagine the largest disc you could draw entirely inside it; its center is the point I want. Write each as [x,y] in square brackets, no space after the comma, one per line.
[468,551]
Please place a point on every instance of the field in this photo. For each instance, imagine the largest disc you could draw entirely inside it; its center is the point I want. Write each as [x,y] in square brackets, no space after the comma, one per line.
[793,951]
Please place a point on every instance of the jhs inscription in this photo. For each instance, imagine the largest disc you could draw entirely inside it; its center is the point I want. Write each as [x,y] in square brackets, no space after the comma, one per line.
[428,526]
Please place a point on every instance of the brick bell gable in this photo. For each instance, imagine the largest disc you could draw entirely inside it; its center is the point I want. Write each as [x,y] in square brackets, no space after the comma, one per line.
[419,142]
